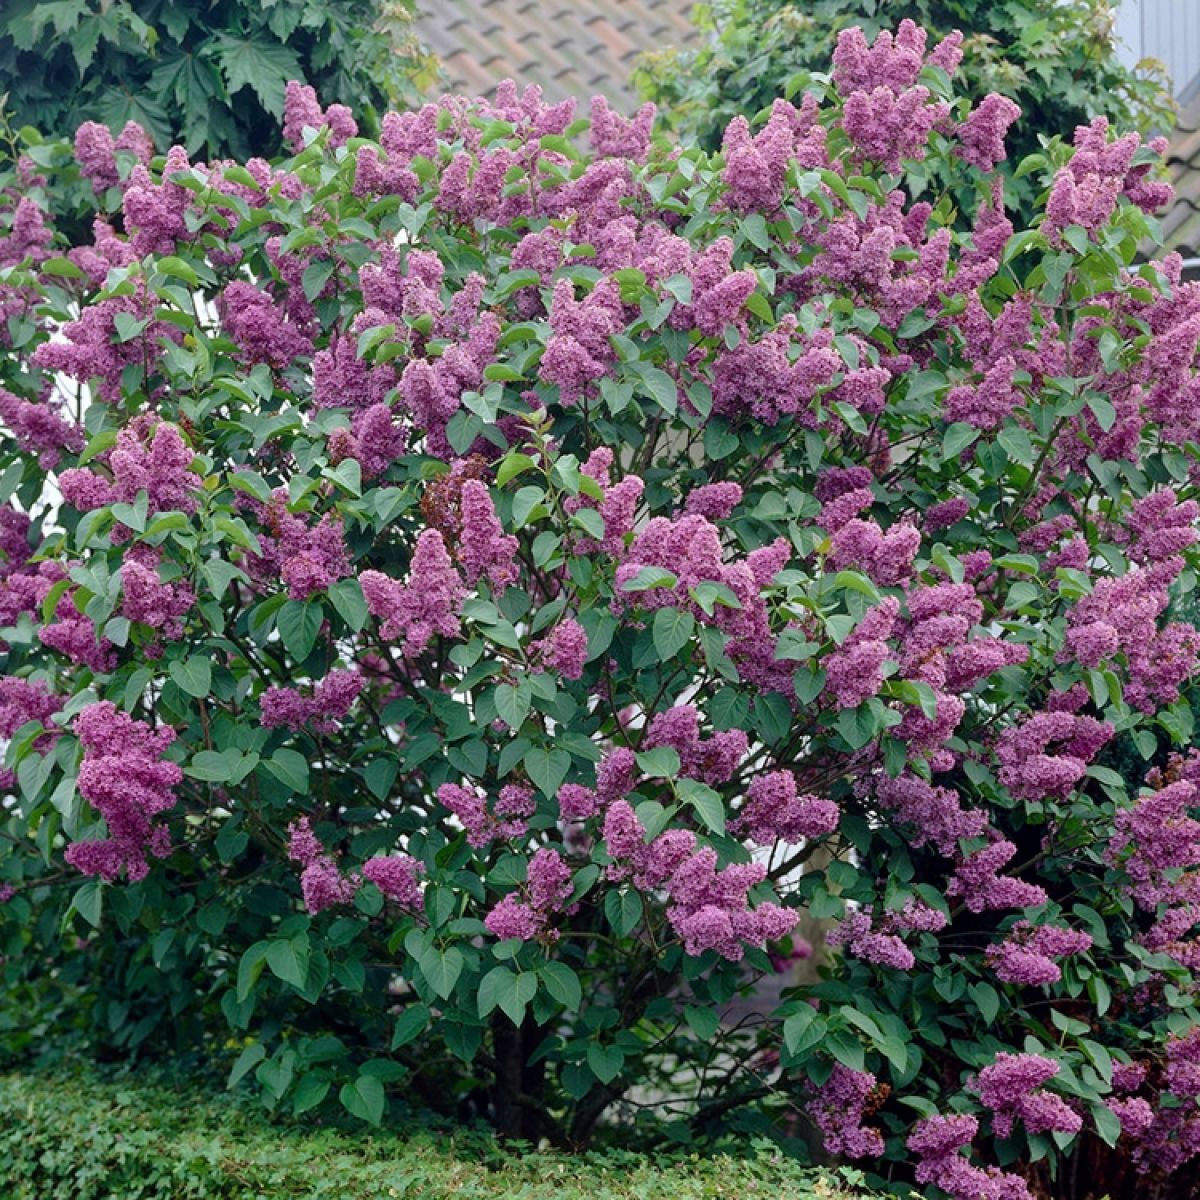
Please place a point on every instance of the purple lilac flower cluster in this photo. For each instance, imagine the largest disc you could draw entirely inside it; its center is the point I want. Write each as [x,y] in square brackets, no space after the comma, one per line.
[708,907]
[149,456]
[838,1109]
[124,778]
[1027,955]
[547,890]
[507,816]
[937,1141]
[321,712]
[324,885]
[147,599]
[426,605]
[1012,1088]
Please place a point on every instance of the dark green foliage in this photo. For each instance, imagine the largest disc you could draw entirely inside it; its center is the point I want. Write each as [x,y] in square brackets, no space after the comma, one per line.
[78,1137]
[207,73]
[1057,61]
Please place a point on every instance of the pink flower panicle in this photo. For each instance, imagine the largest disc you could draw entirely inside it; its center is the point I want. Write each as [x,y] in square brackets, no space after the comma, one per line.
[547,892]
[712,760]
[564,651]
[1027,955]
[485,550]
[426,605]
[839,1108]
[708,908]
[507,816]
[937,1141]
[1012,1088]
[148,600]
[124,778]
[331,700]
[398,877]
[40,428]
[149,456]
[302,109]
[861,939]
[774,811]
[978,881]
[322,883]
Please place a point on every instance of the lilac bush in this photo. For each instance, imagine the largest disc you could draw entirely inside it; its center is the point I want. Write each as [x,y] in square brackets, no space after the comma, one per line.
[466,597]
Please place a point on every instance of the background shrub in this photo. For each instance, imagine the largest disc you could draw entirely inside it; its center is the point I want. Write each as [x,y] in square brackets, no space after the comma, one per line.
[457,587]
[210,76]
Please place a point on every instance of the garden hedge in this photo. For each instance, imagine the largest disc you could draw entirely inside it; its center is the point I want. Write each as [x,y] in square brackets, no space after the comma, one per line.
[89,1137]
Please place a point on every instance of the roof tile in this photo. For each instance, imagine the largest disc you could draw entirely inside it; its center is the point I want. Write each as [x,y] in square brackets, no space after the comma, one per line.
[595,43]
[1181,223]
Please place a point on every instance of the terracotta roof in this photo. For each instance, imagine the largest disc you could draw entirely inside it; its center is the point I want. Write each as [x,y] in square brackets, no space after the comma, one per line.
[1181,225]
[570,47]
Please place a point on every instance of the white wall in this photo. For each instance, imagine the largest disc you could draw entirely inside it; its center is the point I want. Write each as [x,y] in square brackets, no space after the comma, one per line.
[1168,30]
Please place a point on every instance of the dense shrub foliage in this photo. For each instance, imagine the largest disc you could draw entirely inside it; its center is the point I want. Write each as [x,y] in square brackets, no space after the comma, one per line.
[465,596]
[210,75]
[1058,62]
[112,1138]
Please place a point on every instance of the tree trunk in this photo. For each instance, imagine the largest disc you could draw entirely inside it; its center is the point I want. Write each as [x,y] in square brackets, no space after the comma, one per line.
[518,1088]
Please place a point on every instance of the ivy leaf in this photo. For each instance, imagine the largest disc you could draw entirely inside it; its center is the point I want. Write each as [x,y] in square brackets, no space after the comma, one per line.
[118,105]
[193,83]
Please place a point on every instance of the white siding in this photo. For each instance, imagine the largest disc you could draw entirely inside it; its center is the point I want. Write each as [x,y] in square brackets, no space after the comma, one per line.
[1168,30]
